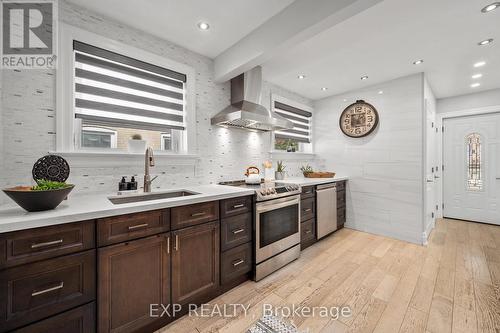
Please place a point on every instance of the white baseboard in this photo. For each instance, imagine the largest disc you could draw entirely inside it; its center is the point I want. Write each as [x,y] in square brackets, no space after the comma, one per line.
[427,232]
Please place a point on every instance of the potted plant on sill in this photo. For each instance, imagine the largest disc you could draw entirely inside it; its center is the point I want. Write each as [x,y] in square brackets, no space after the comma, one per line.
[136,145]
[280,171]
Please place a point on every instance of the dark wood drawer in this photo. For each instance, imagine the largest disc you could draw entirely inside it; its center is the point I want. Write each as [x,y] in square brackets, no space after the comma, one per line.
[186,216]
[307,209]
[341,217]
[307,192]
[116,229]
[235,231]
[21,247]
[235,206]
[39,290]
[340,185]
[236,262]
[340,199]
[307,231]
[79,320]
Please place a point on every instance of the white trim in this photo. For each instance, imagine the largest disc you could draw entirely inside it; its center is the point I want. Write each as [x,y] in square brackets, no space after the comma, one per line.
[291,156]
[64,84]
[305,148]
[439,122]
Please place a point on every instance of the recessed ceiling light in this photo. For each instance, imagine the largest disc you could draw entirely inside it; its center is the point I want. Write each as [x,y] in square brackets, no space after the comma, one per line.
[364,77]
[324,89]
[485,42]
[477,76]
[475,85]
[203,26]
[301,76]
[418,62]
[491,7]
[479,64]
[380,92]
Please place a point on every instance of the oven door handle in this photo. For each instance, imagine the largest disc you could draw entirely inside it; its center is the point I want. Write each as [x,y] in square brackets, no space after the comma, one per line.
[268,206]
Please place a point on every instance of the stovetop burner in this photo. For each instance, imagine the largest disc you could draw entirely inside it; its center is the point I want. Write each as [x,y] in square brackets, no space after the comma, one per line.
[267,190]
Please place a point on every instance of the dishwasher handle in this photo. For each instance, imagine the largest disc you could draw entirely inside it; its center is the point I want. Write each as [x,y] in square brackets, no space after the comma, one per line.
[326,186]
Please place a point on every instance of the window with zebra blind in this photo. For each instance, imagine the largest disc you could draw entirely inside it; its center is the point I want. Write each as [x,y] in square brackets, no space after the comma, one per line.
[298,138]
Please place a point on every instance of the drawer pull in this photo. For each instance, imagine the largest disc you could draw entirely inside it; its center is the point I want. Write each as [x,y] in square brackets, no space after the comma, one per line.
[307,210]
[39,245]
[138,226]
[197,214]
[308,231]
[307,192]
[238,206]
[239,262]
[48,290]
[237,231]
[176,246]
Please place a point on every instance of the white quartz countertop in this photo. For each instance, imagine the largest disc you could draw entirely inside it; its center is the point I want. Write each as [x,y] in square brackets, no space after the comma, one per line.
[302,181]
[88,207]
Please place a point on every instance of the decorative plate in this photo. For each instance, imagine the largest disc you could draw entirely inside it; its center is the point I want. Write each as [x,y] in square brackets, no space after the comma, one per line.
[51,167]
[358,119]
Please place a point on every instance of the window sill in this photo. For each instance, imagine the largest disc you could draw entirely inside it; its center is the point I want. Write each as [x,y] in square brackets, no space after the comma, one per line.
[114,159]
[291,156]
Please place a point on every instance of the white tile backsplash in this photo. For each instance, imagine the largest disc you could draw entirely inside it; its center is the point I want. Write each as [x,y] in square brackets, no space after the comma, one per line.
[27,124]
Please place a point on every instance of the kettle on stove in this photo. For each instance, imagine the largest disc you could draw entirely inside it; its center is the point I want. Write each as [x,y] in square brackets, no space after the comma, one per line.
[252,175]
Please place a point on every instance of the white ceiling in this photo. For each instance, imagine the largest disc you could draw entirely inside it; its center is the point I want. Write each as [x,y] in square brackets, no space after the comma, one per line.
[176,20]
[383,41]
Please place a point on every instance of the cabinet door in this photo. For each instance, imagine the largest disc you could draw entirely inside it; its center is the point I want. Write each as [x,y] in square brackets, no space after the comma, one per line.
[132,276]
[195,263]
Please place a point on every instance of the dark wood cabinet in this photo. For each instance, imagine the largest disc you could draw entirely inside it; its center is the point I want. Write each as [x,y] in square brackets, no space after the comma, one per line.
[236,262]
[132,276]
[38,290]
[236,230]
[308,192]
[195,263]
[186,216]
[307,209]
[21,247]
[307,233]
[79,320]
[236,206]
[116,229]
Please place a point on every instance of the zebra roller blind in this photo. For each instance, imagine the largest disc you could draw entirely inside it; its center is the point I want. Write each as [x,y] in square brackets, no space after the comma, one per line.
[301,120]
[113,89]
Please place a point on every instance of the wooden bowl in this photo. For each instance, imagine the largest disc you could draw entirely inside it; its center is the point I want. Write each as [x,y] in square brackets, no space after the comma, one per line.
[319,175]
[35,201]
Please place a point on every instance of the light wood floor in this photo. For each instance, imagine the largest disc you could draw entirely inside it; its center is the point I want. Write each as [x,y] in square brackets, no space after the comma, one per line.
[451,285]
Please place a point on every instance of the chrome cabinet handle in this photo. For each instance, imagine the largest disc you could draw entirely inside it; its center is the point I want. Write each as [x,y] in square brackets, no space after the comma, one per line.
[308,231]
[176,247]
[39,245]
[138,226]
[197,214]
[238,206]
[239,262]
[48,290]
[168,244]
[237,231]
[307,210]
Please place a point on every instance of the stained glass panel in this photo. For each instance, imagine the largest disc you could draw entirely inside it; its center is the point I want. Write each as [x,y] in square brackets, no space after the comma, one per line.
[474,162]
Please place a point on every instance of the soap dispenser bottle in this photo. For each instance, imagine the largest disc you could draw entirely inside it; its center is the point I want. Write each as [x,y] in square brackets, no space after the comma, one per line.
[122,185]
[133,184]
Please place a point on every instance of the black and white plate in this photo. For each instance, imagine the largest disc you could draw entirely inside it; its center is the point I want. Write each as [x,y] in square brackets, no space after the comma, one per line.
[51,167]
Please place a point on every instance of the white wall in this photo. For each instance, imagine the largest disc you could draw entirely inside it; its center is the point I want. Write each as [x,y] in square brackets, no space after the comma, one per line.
[29,119]
[469,101]
[385,189]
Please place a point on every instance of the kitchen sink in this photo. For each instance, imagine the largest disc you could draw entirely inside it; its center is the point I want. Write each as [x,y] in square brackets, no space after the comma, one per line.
[118,200]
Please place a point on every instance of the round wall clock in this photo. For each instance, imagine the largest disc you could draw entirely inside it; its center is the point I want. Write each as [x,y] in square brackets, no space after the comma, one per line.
[358,119]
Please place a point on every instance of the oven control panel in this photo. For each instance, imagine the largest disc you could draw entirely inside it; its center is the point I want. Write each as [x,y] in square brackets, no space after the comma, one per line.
[266,193]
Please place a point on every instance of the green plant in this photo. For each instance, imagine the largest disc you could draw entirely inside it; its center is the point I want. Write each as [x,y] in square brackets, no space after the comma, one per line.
[47,185]
[136,137]
[280,167]
[306,169]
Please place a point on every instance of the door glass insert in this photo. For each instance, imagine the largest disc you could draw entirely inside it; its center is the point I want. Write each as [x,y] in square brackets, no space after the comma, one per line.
[474,162]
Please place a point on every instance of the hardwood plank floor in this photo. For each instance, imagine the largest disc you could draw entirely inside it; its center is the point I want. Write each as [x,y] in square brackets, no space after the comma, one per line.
[450,285]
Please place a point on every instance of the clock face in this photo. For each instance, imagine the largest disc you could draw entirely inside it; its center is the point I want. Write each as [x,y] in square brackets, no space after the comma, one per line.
[359,119]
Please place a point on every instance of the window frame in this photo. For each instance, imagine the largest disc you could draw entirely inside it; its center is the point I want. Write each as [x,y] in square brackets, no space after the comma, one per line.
[65,115]
[100,130]
[304,148]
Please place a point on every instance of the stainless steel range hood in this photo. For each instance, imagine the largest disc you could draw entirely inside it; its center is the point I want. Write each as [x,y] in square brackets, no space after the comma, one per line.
[245,111]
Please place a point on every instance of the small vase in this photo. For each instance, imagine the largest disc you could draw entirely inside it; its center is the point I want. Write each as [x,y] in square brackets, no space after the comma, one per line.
[136,146]
[279,175]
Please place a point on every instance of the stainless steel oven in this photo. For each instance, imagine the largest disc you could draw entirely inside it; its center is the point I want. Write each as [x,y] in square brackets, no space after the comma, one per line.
[277,234]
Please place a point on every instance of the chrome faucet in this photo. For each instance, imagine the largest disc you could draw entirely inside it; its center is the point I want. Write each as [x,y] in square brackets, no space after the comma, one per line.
[149,161]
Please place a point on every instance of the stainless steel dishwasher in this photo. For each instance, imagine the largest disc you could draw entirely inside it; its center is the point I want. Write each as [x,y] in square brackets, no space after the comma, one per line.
[326,209]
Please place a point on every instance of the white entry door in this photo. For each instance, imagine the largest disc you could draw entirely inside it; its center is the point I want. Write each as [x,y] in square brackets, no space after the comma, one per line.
[431,168]
[471,155]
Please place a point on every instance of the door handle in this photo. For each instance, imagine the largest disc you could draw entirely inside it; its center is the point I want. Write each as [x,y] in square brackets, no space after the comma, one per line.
[430,181]
[498,178]
[176,247]
[436,177]
[168,244]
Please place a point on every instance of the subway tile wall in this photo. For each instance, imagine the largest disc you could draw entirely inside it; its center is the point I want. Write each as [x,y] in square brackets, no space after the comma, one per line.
[28,120]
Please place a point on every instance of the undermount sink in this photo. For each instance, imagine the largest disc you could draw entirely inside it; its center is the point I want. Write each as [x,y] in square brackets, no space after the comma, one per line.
[149,196]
